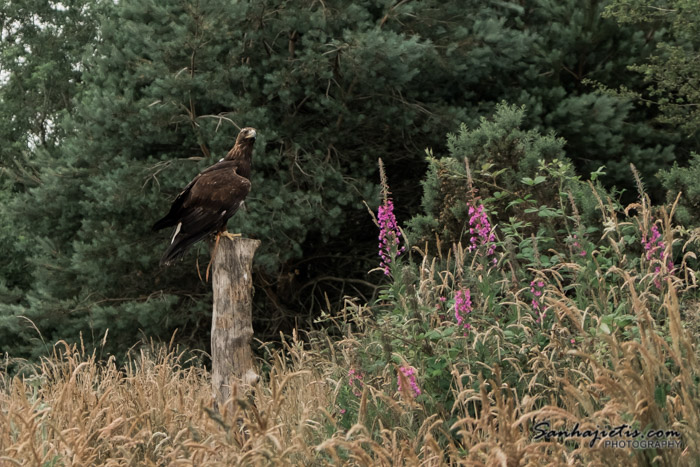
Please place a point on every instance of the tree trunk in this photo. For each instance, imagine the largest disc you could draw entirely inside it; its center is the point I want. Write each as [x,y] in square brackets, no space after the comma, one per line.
[232,321]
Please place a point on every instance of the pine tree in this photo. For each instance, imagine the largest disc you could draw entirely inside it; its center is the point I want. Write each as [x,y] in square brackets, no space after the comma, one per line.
[40,67]
[672,71]
[40,73]
[672,76]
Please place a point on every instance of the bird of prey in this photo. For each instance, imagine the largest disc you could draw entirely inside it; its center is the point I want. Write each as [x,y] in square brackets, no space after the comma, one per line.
[210,199]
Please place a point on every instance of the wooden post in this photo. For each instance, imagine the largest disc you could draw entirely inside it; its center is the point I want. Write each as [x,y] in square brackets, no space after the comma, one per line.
[232,319]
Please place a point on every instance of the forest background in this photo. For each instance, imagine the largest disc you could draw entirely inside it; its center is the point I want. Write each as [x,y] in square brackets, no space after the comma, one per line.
[109,109]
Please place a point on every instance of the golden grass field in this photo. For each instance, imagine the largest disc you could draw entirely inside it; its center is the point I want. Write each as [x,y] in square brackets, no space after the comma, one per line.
[158,410]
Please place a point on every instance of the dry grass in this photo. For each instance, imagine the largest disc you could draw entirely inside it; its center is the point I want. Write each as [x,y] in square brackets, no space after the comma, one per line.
[157,409]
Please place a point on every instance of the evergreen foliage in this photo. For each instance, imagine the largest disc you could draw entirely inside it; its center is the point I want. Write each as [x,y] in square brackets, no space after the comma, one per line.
[684,181]
[498,162]
[570,46]
[40,63]
[144,94]
[41,56]
[164,90]
[673,70]
[673,85]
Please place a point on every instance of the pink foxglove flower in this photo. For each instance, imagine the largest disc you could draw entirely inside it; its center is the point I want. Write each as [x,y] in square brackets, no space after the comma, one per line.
[655,249]
[389,235]
[410,374]
[578,248]
[355,376]
[537,303]
[480,230]
[463,306]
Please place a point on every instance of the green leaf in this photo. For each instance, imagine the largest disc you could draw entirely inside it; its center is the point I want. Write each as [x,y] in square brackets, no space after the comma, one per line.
[660,395]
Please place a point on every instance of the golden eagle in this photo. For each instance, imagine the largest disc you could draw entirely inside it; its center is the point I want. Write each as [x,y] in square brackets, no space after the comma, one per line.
[210,199]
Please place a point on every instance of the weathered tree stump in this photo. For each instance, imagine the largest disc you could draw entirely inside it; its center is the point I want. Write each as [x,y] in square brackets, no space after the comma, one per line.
[232,319]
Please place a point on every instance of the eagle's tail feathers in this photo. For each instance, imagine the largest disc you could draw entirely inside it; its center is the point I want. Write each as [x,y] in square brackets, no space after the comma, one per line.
[178,247]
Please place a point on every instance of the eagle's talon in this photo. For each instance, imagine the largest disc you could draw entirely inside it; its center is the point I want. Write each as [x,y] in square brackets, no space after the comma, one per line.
[230,235]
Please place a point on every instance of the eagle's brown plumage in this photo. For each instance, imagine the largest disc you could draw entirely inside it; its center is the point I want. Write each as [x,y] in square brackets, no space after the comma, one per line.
[210,199]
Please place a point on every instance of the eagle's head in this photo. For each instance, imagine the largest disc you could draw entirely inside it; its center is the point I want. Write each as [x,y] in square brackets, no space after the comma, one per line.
[247,135]
[244,145]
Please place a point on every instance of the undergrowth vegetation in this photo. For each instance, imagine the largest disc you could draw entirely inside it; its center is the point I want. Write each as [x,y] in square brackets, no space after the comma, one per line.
[529,341]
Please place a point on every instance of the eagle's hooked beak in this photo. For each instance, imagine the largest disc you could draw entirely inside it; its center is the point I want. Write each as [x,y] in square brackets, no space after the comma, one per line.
[251,134]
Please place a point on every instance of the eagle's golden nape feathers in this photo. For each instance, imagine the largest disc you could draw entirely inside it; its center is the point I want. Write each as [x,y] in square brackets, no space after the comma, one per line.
[210,199]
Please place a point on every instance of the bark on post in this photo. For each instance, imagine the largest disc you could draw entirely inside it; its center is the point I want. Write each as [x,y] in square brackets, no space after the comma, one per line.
[232,320]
